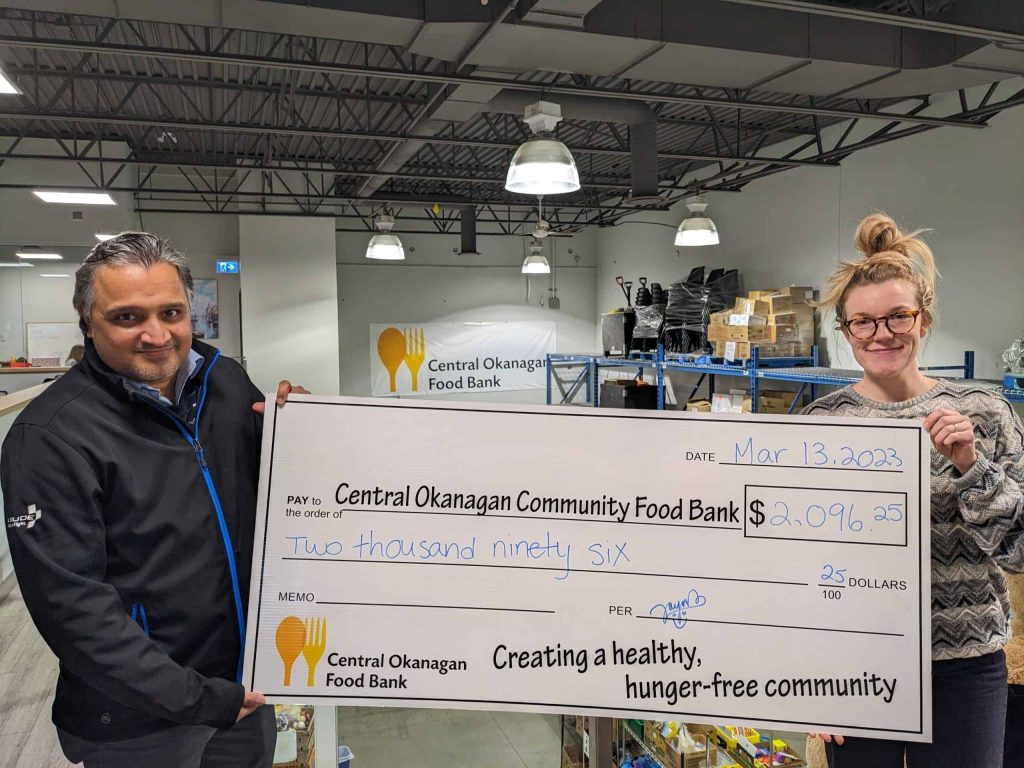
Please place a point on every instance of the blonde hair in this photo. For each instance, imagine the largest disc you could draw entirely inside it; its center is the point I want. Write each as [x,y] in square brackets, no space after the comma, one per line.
[888,255]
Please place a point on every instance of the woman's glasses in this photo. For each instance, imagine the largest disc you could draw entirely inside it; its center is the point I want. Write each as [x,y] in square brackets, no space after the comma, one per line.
[866,327]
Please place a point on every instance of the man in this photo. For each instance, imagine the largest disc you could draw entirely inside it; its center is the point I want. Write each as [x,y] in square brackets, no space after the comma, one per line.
[130,496]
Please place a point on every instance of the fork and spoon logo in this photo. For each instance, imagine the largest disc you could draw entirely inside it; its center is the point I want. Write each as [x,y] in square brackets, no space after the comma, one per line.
[395,347]
[307,637]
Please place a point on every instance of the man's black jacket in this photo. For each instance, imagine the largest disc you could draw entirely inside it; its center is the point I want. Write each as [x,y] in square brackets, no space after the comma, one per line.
[131,531]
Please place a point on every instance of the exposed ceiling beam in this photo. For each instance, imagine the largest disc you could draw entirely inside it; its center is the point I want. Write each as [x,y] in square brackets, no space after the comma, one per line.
[156,194]
[224,85]
[883,136]
[259,129]
[283,165]
[552,89]
[398,154]
[933,24]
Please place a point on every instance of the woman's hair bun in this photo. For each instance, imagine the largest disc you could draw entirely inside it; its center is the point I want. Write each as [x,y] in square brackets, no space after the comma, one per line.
[878,233]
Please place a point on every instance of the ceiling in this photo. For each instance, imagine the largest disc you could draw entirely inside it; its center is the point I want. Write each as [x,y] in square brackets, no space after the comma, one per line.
[342,107]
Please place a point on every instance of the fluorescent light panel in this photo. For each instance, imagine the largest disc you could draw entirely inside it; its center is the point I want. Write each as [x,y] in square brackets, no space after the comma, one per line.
[74,198]
[7,86]
[40,255]
[54,275]
[15,264]
[104,236]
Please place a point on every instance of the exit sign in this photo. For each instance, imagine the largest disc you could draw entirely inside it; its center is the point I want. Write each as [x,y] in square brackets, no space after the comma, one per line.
[227,267]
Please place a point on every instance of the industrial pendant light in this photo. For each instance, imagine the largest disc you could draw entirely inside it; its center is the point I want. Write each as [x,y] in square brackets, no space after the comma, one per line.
[384,245]
[542,165]
[697,229]
[536,263]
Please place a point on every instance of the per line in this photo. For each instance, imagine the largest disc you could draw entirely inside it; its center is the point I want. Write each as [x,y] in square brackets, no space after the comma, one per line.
[775,626]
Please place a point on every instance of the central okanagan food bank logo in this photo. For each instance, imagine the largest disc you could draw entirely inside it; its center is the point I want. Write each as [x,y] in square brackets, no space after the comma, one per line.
[395,347]
[307,637]
[26,521]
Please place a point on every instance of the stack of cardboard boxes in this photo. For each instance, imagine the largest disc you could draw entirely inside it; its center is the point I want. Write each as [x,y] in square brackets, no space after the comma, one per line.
[740,401]
[702,753]
[779,322]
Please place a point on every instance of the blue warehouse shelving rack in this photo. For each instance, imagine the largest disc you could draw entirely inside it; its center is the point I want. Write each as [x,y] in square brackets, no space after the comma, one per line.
[802,370]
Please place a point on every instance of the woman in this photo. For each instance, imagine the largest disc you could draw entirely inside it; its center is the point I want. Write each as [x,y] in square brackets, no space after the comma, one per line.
[884,306]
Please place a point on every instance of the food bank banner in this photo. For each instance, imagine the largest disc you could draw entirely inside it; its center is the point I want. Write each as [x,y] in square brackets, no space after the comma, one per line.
[433,358]
[758,570]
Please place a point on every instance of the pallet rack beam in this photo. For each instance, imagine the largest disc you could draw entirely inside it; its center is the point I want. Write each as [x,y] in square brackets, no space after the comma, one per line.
[802,370]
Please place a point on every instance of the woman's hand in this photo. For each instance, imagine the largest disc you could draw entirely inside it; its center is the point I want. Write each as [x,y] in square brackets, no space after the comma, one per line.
[952,435]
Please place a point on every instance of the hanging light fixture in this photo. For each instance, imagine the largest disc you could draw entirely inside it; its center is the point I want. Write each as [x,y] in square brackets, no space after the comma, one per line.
[536,263]
[384,245]
[697,229]
[542,165]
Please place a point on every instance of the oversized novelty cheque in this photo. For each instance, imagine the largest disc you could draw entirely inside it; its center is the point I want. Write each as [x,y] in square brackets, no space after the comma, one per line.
[760,570]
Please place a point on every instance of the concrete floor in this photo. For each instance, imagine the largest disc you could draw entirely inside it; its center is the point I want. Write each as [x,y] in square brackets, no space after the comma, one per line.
[442,738]
[28,673]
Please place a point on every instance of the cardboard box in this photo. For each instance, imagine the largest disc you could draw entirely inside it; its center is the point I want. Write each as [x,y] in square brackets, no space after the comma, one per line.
[762,294]
[736,318]
[780,333]
[651,732]
[628,393]
[697,757]
[742,349]
[723,404]
[778,303]
[745,306]
[699,406]
[720,318]
[784,318]
[804,313]
[770,402]
[704,753]
[739,333]
[572,756]
[800,293]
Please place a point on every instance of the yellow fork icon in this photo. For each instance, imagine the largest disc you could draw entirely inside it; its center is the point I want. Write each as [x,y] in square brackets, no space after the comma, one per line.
[414,354]
[316,643]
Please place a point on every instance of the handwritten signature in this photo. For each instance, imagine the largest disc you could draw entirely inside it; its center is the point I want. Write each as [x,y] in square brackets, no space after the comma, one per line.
[676,611]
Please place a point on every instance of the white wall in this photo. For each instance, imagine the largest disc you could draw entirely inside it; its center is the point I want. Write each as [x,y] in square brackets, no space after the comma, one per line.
[206,239]
[434,284]
[24,297]
[792,228]
[290,311]
[12,321]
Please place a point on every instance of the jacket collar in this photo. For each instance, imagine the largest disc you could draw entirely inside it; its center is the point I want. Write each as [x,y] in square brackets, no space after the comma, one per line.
[93,366]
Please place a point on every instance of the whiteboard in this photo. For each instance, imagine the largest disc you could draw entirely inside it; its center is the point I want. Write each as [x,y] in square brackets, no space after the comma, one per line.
[51,340]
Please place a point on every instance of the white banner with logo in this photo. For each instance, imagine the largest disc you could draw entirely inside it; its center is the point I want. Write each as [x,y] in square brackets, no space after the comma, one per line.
[433,358]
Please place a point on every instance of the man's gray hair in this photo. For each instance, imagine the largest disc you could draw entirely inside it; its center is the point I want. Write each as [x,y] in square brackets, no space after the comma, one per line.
[139,249]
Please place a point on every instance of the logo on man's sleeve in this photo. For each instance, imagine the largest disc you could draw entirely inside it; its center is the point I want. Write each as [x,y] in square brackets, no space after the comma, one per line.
[26,521]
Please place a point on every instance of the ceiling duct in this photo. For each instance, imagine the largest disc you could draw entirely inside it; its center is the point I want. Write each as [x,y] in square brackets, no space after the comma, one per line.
[643,143]
[467,217]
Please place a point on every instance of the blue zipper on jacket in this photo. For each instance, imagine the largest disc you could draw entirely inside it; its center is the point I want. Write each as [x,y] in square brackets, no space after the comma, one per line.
[137,610]
[193,440]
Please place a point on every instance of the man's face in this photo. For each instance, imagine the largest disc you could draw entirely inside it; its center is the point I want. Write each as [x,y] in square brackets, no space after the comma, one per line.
[140,323]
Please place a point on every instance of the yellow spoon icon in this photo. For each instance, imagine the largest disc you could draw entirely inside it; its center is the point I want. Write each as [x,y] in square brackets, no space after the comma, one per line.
[391,351]
[291,638]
